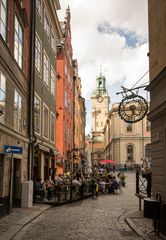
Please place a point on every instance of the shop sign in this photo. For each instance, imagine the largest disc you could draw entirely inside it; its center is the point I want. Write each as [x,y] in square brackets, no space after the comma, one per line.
[12,149]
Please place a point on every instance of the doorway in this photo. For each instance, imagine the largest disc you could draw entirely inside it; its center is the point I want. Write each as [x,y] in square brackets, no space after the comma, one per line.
[16,198]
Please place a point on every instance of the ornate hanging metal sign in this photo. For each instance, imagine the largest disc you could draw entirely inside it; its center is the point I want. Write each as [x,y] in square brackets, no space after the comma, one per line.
[133,108]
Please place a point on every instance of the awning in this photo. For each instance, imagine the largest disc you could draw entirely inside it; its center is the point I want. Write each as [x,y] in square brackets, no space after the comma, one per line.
[43,148]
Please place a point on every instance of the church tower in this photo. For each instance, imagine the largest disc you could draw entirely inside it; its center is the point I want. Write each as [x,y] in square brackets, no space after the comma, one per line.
[100,105]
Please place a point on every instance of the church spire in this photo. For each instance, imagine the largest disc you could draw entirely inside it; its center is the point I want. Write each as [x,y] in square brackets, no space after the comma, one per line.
[101,84]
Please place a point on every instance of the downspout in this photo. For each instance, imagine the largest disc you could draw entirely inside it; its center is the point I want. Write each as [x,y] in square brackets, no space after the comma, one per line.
[31,94]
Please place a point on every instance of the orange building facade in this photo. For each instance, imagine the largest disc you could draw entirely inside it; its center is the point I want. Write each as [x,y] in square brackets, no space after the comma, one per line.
[65,100]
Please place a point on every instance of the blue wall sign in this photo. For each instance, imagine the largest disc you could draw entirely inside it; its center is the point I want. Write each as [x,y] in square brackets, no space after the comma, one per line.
[13,149]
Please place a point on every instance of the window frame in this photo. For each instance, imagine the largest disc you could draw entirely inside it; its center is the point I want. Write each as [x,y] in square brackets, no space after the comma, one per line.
[2,20]
[53,40]
[129,127]
[52,115]
[128,157]
[45,56]
[47,24]
[53,82]
[39,12]
[2,117]
[36,96]
[18,127]
[45,106]
[18,55]
[37,40]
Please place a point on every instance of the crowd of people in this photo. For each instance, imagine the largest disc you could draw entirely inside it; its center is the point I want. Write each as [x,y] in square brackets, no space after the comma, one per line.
[98,180]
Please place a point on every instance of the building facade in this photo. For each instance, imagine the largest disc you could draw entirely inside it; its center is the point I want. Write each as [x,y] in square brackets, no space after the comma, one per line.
[79,121]
[65,99]
[157,88]
[47,35]
[15,55]
[126,143]
[100,111]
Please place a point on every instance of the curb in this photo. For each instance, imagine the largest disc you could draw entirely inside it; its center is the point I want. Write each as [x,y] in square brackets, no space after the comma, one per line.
[135,228]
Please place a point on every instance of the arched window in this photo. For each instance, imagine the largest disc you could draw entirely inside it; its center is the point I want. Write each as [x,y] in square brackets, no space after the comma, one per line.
[148,150]
[130,153]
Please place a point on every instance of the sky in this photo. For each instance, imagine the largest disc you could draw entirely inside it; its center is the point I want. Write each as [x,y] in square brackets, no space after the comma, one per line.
[112,34]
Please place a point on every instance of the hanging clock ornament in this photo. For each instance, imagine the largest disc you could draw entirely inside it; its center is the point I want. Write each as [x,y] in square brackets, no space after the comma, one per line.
[133,108]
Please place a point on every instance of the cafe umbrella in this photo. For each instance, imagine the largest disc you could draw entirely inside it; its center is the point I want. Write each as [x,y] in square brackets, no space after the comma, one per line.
[105,161]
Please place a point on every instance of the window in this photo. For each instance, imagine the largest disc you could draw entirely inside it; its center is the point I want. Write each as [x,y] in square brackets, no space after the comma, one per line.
[148,125]
[46,25]
[46,69]
[52,127]
[66,102]
[17,111]
[53,42]
[66,71]
[52,81]
[18,42]
[38,54]
[3,14]
[148,150]
[37,114]
[39,7]
[130,153]
[2,96]
[45,121]
[129,127]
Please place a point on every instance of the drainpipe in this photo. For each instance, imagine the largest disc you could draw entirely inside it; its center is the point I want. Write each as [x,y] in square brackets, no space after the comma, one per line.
[31,93]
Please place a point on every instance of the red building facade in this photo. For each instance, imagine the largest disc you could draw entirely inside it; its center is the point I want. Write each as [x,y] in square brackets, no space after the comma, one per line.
[65,100]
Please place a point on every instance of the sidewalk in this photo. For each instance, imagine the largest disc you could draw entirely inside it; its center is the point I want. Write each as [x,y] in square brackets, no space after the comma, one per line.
[11,224]
[142,226]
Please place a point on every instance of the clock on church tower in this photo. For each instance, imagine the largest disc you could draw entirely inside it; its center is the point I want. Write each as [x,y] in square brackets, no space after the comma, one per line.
[100,104]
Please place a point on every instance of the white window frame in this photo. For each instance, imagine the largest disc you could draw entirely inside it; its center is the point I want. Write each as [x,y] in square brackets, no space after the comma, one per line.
[38,133]
[38,54]
[18,126]
[45,106]
[39,9]
[46,23]
[18,50]
[52,116]
[53,41]
[2,99]
[53,81]
[46,69]
[3,19]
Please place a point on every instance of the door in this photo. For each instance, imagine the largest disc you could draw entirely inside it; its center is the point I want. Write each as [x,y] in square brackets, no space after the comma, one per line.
[16,182]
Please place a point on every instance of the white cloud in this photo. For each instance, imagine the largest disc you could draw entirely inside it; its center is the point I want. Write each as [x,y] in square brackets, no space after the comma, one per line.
[120,63]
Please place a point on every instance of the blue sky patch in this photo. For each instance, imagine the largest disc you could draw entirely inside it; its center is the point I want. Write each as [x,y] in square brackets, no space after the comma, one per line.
[132,39]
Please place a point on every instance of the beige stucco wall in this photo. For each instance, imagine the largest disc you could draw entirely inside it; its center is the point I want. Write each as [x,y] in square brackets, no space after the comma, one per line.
[120,138]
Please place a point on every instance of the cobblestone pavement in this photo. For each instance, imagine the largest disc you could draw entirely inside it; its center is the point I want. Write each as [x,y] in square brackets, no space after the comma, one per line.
[91,219]
[109,217]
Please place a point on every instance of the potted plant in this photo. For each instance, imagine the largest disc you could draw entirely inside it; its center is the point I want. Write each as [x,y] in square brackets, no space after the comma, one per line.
[122,178]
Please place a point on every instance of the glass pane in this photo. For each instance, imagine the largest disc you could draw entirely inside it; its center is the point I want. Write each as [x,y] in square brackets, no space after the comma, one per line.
[3,14]
[3,82]
[16,24]
[4,2]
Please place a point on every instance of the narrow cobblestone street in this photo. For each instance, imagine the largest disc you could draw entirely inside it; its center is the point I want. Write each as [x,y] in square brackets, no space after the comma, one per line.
[90,219]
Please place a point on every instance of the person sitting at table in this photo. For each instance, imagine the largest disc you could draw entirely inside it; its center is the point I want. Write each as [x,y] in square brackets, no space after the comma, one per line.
[115,184]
